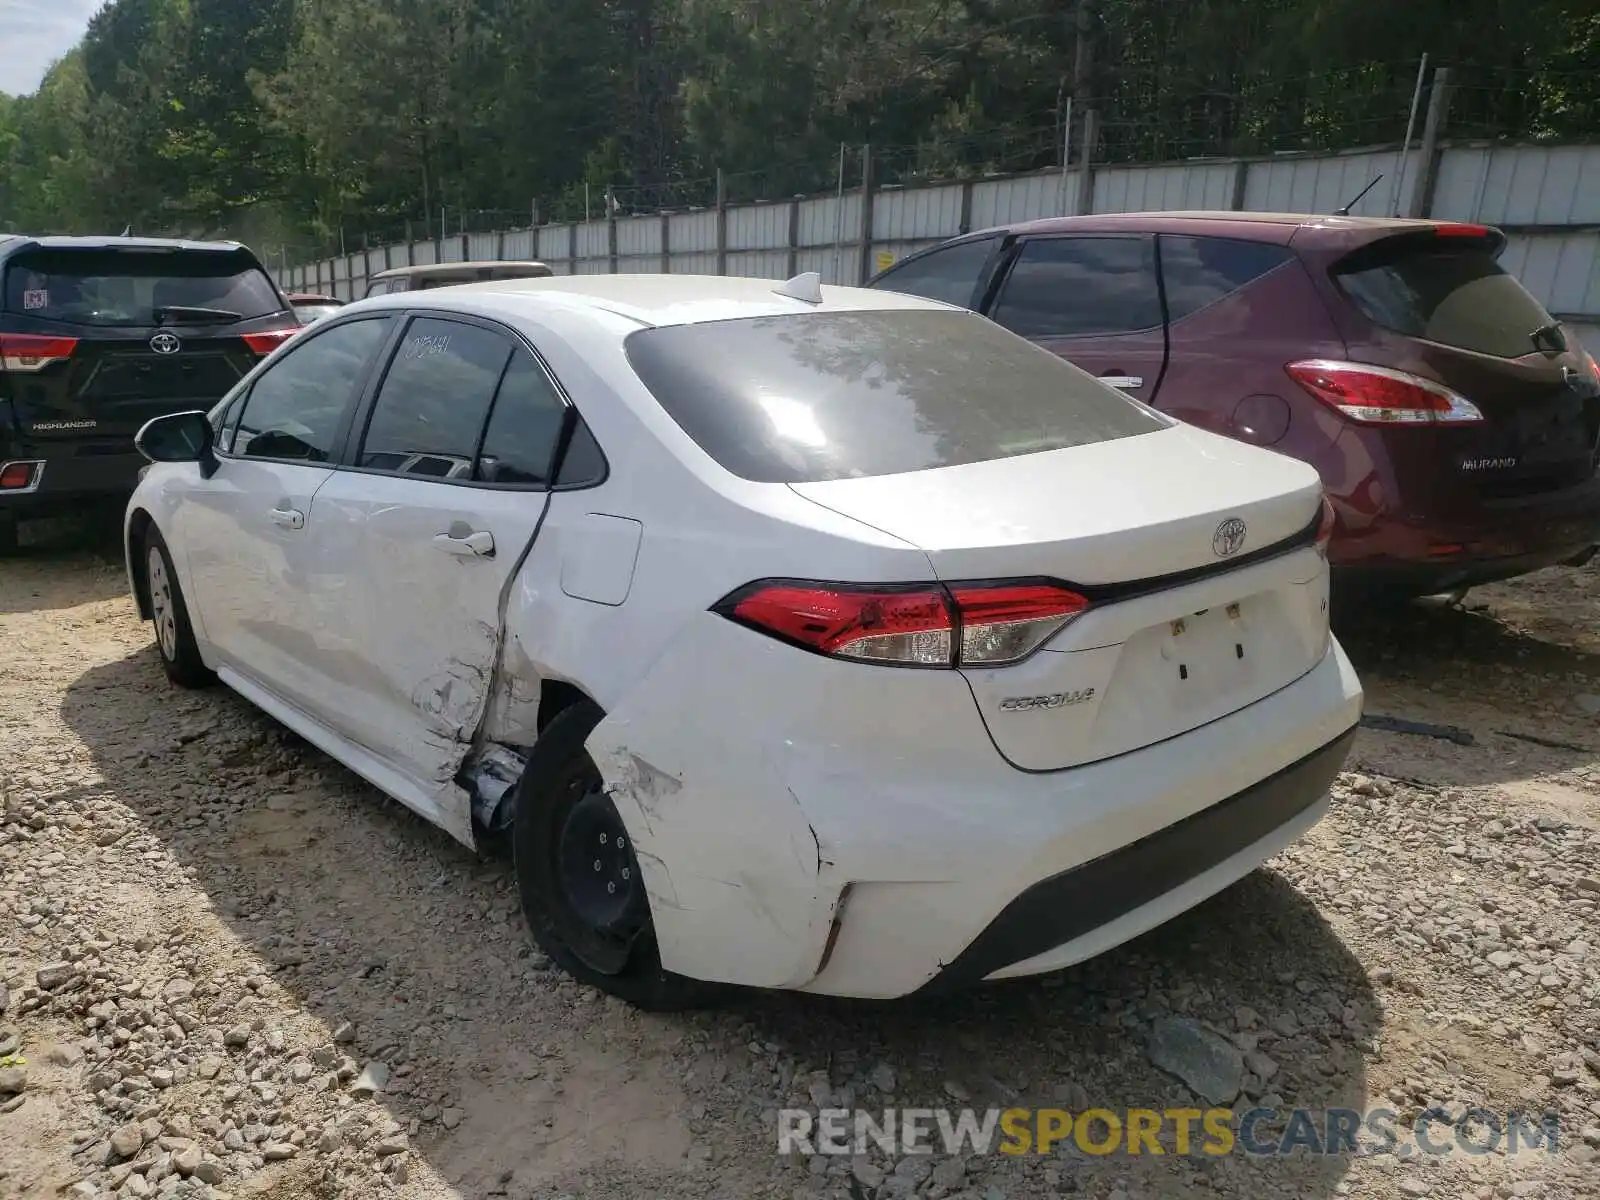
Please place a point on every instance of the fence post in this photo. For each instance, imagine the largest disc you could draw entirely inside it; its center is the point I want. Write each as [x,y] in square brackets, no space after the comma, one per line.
[1091,133]
[1432,131]
[868,186]
[500,245]
[793,268]
[1241,181]
[611,228]
[966,207]
[572,248]
[666,243]
[722,223]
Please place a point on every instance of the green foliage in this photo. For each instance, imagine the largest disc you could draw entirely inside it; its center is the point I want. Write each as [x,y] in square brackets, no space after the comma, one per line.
[301,121]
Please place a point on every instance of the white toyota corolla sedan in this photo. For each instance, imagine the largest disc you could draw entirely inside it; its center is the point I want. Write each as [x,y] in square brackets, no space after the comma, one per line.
[799,637]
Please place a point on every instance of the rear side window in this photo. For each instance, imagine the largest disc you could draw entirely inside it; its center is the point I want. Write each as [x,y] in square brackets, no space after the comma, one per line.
[1456,296]
[1081,287]
[431,409]
[129,287]
[524,427]
[1199,271]
[950,274]
[810,397]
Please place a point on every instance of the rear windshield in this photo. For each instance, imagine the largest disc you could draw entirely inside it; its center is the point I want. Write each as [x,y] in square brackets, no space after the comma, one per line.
[812,397]
[1458,297]
[126,287]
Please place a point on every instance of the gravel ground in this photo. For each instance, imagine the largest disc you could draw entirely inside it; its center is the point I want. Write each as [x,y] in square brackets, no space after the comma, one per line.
[229,968]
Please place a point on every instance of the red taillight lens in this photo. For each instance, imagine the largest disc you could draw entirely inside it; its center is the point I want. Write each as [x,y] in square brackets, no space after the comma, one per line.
[34,352]
[914,625]
[1325,527]
[1594,367]
[1460,229]
[14,475]
[268,340]
[1372,395]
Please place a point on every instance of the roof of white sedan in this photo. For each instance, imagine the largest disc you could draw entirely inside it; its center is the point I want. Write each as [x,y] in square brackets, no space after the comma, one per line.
[668,299]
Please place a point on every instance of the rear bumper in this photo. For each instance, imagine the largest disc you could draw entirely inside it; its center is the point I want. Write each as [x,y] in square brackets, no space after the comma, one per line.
[1498,541]
[69,478]
[1051,922]
[862,837]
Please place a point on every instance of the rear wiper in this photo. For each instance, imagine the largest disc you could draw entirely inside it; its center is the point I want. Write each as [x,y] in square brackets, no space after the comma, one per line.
[188,315]
[1549,337]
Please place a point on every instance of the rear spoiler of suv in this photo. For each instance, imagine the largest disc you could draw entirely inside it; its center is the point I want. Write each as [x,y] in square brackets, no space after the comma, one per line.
[1385,244]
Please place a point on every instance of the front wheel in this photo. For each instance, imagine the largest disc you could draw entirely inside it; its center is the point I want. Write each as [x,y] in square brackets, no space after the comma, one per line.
[180,655]
[581,890]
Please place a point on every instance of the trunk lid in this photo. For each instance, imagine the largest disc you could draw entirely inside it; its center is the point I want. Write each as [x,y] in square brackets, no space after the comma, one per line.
[1195,551]
[121,341]
[1435,301]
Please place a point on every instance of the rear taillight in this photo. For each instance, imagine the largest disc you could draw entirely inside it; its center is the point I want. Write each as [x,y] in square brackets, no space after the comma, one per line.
[268,340]
[1594,367]
[34,352]
[908,625]
[1325,527]
[18,476]
[1460,229]
[1372,395]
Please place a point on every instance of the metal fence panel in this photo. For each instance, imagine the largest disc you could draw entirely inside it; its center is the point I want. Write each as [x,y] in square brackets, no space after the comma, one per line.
[518,245]
[639,264]
[483,247]
[911,214]
[820,223]
[694,264]
[555,242]
[594,240]
[1024,198]
[758,227]
[1562,270]
[1147,189]
[692,231]
[424,254]
[1520,185]
[639,235]
[1323,184]
[759,264]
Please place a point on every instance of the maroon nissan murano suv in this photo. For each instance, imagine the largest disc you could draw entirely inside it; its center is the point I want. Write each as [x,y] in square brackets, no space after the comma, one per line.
[1455,424]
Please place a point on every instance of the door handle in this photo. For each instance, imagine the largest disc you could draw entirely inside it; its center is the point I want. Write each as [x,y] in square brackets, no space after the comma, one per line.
[1123,381]
[289,518]
[472,545]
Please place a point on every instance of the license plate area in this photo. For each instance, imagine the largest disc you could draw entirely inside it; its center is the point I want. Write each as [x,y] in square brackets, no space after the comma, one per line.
[1208,654]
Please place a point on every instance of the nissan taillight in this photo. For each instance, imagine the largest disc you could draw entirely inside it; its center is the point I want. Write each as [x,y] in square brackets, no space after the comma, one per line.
[1370,395]
[33,351]
[908,625]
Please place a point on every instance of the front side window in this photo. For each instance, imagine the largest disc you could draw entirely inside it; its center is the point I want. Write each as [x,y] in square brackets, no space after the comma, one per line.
[435,397]
[295,406]
[1081,287]
[950,274]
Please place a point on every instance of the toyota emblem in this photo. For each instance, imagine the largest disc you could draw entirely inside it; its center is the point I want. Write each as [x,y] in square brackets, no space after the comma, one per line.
[1229,538]
[166,343]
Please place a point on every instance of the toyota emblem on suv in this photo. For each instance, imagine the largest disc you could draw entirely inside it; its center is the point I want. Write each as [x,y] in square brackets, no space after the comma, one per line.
[1229,538]
[166,343]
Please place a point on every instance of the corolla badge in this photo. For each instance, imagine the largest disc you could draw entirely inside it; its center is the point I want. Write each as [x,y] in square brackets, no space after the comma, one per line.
[1228,540]
[166,343]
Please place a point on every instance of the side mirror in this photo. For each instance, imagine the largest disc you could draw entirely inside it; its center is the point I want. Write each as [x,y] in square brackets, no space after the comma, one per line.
[179,437]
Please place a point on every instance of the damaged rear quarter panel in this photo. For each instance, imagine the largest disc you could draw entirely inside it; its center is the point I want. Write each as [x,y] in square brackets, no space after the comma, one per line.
[729,861]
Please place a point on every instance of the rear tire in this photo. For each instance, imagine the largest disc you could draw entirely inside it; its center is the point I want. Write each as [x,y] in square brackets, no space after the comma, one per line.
[175,643]
[594,921]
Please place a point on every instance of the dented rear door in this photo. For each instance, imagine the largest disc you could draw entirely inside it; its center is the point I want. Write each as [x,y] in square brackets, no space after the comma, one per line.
[424,530]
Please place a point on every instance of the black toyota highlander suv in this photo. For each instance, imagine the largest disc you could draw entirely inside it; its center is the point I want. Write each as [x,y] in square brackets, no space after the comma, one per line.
[98,335]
